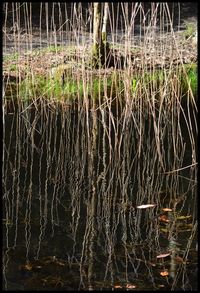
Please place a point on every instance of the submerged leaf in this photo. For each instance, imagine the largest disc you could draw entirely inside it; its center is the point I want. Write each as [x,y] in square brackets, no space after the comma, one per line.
[144,206]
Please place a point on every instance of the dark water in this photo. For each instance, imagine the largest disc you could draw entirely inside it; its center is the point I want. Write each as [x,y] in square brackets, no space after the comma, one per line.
[39,25]
[73,178]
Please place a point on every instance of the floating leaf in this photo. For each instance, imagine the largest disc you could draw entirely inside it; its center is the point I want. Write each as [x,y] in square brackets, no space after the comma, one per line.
[183,217]
[167,210]
[144,206]
[117,286]
[179,259]
[164,273]
[38,267]
[186,229]
[151,264]
[162,255]
[165,230]
[163,218]
[27,267]
[130,286]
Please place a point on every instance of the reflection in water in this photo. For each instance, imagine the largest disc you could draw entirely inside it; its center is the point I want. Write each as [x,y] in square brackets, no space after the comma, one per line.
[73,178]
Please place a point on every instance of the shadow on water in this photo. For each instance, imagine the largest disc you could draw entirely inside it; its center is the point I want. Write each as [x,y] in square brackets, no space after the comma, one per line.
[73,179]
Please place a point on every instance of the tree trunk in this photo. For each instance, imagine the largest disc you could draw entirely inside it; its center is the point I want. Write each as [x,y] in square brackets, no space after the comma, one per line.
[105,20]
[100,46]
[105,45]
[97,35]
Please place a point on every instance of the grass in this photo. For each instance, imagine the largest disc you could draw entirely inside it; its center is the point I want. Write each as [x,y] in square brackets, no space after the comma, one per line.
[11,57]
[190,29]
[66,80]
[192,79]
[13,67]
[62,84]
[44,73]
[57,89]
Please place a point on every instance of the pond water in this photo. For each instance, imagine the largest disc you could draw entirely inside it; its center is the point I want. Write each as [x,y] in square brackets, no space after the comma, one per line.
[74,179]
[58,24]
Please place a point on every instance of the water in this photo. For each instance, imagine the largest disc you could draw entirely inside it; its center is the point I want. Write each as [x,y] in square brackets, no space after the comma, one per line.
[63,24]
[73,178]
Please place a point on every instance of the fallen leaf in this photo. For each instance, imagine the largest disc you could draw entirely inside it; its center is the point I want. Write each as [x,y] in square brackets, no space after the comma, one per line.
[27,267]
[38,267]
[185,230]
[144,206]
[162,255]
[164,230]
[130,286]
[179,259]
[151,264]
[60,263]
[163,218]
[164,274]
[117,286]
[183,217]
[167,210]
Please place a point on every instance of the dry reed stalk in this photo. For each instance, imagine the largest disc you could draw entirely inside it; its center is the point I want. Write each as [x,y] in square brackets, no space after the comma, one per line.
[109,159]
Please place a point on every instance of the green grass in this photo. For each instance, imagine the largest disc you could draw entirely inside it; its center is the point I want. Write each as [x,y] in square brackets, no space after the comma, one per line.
[190,29]
[63,84]
[187,74]
[11,57]
[13,67]
[191,70]
[53,49]
[55,89]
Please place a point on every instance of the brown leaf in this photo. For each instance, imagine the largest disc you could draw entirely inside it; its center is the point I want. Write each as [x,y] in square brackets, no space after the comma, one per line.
[163,218]
[26,267]
[117,286]
[167,210]
[164,273]
[130,286]
[179,259]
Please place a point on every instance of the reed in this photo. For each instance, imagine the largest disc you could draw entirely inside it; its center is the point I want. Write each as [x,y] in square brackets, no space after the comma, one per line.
[93,144]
